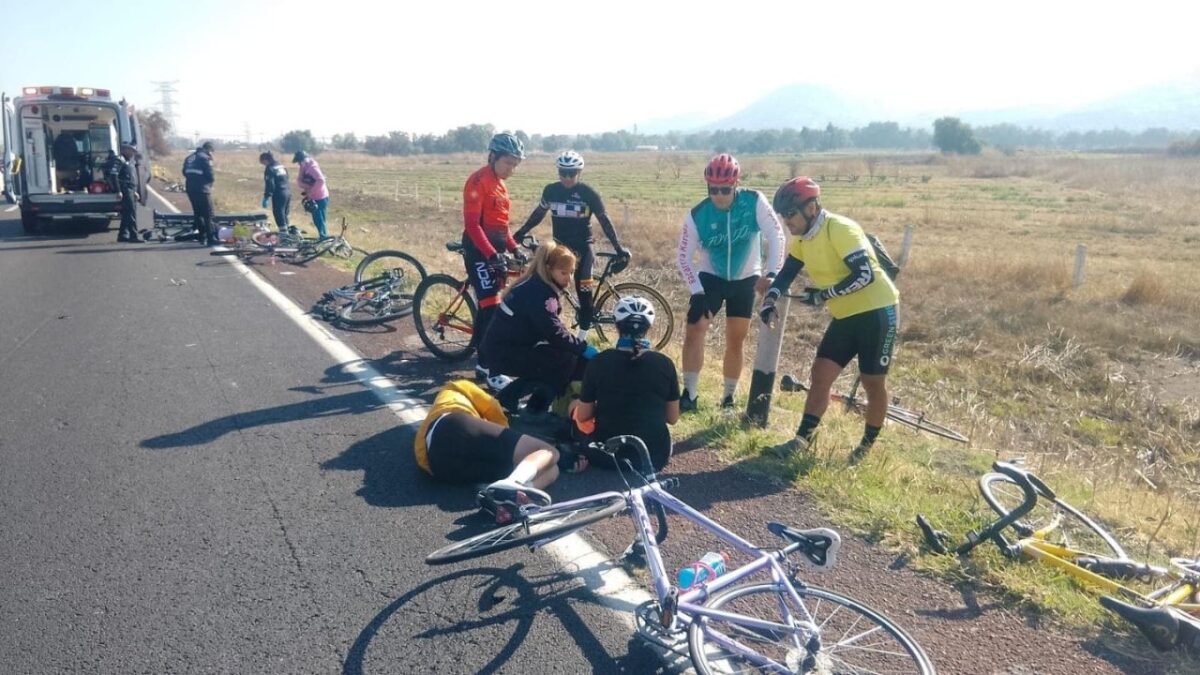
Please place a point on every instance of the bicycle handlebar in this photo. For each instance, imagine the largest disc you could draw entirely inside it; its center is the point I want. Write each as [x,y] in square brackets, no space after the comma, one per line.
[1020,476]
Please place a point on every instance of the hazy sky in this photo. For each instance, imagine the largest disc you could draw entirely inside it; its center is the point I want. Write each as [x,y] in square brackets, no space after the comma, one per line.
[560,67]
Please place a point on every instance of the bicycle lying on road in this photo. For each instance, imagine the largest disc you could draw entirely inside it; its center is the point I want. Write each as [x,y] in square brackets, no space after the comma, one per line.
[291,248]
[852,401]
[383,290]
[182,226]
[445,309]
[1054,533]
[775,624]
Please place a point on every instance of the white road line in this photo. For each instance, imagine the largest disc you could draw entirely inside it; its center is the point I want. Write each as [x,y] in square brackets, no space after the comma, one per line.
[162,199]
[613,588]
[11,208]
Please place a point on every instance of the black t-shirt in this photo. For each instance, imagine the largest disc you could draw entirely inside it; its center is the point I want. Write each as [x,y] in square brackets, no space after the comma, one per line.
[571,211]
[631,397]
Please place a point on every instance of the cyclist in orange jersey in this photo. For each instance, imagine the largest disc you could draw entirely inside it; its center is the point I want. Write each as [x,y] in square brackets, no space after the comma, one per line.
[486,237]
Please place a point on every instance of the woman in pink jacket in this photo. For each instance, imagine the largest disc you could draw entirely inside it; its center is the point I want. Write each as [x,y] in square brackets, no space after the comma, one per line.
[313,187]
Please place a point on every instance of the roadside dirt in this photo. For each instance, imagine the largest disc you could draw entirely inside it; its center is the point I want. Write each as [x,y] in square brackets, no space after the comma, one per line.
[963,630]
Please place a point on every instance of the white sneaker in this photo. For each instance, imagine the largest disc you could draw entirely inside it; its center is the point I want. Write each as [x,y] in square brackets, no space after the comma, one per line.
[506,497]
[498,382]
[582,334]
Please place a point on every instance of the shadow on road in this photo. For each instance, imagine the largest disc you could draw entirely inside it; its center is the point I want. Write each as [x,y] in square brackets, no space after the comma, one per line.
[487,613]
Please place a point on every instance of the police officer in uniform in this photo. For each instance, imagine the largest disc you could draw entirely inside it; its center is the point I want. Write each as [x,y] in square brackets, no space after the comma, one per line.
[275,189]
[124,179]
[198,180]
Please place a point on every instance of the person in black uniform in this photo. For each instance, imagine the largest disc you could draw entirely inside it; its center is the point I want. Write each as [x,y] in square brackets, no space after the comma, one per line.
[276,190]
[122,175]
[198,180]
[527,339]
[571,204]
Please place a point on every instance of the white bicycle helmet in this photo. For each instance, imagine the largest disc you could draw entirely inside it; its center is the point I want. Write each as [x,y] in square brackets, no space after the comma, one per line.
[633,315]
[570,160]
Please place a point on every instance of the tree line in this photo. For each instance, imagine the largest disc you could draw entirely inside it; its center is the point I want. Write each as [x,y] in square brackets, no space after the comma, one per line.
[949,135]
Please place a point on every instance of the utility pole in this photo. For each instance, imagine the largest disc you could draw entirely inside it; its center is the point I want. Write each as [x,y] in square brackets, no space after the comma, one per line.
[166,102]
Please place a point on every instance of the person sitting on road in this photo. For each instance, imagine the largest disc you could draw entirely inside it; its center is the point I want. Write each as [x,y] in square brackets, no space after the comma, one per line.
[465,439]
[842,265]
[527,338]
[571,204]
[630,389]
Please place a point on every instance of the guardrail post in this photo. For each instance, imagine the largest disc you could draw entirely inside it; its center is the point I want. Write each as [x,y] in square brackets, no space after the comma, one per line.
[1080,262]
[766,362]
[439,197]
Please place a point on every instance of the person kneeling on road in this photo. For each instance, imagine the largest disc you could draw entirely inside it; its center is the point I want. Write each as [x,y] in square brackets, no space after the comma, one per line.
[842,263]
[630,389]
[527,338]
[465,439]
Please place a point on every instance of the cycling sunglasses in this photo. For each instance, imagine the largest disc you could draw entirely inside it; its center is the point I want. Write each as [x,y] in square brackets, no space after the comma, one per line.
[568,173]
[723,190]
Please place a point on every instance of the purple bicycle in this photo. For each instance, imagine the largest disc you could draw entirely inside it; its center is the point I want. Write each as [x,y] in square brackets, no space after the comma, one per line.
[773,623]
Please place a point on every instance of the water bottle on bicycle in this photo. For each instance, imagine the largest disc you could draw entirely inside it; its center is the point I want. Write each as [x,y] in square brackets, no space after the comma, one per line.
[711,566]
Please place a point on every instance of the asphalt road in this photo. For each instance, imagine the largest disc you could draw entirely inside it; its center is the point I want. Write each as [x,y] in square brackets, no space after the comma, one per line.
[188,484]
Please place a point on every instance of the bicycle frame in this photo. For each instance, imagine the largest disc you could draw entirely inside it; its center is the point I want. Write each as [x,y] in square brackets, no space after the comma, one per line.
[1035,546]
[689,603]
[1174,594]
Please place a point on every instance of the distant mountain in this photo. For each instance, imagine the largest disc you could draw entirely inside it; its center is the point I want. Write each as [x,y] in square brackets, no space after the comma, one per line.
[1174,105]
[797,106]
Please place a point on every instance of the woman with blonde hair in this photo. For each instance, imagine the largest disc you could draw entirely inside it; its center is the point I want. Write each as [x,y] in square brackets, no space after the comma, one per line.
[527,338]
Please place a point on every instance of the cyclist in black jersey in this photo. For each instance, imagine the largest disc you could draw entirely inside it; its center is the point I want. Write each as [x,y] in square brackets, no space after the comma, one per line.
[571,204]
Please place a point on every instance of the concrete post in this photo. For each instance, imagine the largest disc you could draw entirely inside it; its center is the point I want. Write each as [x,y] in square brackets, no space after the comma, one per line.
[905,246]
[1080,262]
[766,362]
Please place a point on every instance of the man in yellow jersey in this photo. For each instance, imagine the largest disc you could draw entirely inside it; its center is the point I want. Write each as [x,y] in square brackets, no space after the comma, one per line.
[848,279]
[465,439]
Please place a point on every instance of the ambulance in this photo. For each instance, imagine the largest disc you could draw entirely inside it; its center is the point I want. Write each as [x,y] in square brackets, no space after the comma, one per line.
[58,144]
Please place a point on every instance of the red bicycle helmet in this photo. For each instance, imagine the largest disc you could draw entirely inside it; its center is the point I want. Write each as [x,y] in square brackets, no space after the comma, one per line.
[722,170]
[794,194]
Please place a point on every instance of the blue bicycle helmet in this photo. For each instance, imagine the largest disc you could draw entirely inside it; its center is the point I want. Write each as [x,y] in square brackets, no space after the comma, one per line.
[505,143]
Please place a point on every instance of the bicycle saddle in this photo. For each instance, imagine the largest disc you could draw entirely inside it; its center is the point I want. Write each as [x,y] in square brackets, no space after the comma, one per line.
[819,546]
[454,246]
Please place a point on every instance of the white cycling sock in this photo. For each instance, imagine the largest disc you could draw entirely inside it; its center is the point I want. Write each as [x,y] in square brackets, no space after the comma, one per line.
[730,386]
[691,382]
[524,472]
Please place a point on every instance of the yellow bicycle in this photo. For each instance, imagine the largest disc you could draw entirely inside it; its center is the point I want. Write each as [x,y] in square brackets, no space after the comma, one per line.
[1052,532]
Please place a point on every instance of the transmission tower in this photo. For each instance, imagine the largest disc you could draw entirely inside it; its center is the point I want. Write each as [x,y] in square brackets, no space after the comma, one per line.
[166,102]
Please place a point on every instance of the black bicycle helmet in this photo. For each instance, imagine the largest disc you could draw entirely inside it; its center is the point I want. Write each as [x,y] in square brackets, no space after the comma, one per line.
[505,143]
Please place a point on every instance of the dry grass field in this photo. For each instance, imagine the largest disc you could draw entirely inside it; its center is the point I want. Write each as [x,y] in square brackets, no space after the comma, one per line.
[1096,386]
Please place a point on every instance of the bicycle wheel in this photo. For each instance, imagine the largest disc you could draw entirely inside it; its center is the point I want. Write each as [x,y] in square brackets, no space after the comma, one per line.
[374,307]
[853,638]
[548,523]
[444,313]
[664,319]
[1074,530]
[398,264]
[919,422]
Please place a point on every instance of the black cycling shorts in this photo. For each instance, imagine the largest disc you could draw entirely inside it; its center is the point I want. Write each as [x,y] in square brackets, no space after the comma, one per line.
[739,294]
[463,448]
[870,336]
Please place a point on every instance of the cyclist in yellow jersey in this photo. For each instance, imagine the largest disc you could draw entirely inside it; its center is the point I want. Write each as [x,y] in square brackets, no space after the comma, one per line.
[465,439]
[848,279]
